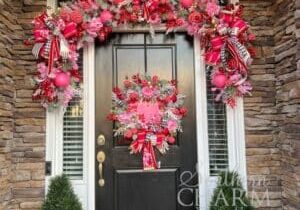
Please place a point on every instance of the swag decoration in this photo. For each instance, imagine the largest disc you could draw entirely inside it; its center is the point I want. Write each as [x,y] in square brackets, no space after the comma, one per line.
[147,112]
[224,36]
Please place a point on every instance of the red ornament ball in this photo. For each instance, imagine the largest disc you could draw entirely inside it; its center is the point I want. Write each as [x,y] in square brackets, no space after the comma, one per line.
[62,80]
[186,3]
[219,80]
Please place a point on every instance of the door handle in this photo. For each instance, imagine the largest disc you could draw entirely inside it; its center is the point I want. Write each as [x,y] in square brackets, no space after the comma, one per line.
[101,159]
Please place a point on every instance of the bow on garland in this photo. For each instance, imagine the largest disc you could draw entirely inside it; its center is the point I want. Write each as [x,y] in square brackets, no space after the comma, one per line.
[228,54]
[228,41]
[50,42]
[58,71]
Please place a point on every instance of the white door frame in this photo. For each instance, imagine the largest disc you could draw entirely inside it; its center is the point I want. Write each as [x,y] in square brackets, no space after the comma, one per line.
[235,124]
[235,127]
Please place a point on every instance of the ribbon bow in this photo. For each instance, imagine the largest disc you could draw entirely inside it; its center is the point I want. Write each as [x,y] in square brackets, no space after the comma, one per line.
[144,143]
[228,41]
[50,42]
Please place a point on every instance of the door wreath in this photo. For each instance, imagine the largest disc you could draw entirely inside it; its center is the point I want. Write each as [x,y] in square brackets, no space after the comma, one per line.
[147,112]
[224,36]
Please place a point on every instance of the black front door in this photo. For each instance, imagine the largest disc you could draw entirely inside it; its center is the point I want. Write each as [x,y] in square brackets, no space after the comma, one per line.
[127,186]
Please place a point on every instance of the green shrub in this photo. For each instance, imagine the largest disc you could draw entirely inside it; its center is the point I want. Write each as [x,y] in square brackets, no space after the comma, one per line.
[229,194]
[61,196]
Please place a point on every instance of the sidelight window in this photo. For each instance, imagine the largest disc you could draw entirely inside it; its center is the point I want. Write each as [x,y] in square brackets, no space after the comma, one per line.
[217,132]
[73,140]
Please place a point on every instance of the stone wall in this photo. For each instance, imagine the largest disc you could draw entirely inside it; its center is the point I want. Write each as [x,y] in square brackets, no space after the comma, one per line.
[28,151]
[287,73]
[261,120]
[7,66]
[22,122]
[271,114]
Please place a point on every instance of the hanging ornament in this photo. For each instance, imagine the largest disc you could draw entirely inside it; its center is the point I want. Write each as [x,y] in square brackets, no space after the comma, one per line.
[62,80]
[219,80]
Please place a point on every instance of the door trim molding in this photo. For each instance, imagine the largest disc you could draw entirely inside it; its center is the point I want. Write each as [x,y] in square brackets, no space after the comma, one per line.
[201,116]
[89,119]
[235,124]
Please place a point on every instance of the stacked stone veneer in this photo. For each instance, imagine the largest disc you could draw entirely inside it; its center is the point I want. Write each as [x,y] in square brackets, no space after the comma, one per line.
[22,122]
[287,74]
[7,67]
[271,114]
[28,151]
[261,119]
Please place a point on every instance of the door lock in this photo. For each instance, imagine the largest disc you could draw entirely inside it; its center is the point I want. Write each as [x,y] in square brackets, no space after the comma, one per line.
[101,140]
[101,159]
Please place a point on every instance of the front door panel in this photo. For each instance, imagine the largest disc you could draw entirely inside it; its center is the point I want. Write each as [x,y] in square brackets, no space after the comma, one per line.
[127,186]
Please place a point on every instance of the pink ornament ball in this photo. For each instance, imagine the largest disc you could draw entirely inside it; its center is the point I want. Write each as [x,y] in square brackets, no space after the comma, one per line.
[62,80]
[171,139]
[186,3]
[106,16]
[219,80]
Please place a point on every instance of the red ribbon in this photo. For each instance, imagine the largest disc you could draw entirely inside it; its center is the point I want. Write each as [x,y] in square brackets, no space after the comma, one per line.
[39,35]
[53,53]
[234,52]
[239,53]
[213,57]
[149,160]
[146,12]
[70,30]
[144,146]
[217,42]
[240,25]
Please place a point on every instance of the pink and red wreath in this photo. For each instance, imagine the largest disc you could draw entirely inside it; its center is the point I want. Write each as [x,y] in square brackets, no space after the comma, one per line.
[224,35]
[148,112]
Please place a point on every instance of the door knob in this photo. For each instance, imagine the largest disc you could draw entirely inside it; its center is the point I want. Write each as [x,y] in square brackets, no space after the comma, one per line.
[101,159]
[101,140]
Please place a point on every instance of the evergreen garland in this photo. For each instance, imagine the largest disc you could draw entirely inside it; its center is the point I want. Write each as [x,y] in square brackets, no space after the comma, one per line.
[61,196]
[229,194]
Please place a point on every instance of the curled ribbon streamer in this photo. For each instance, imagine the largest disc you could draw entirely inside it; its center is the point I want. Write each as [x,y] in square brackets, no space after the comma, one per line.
[145,146]
[238,52]
[149,160]
[53,54]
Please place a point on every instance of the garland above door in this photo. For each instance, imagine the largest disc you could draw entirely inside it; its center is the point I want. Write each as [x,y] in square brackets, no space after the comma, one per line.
[224,36]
